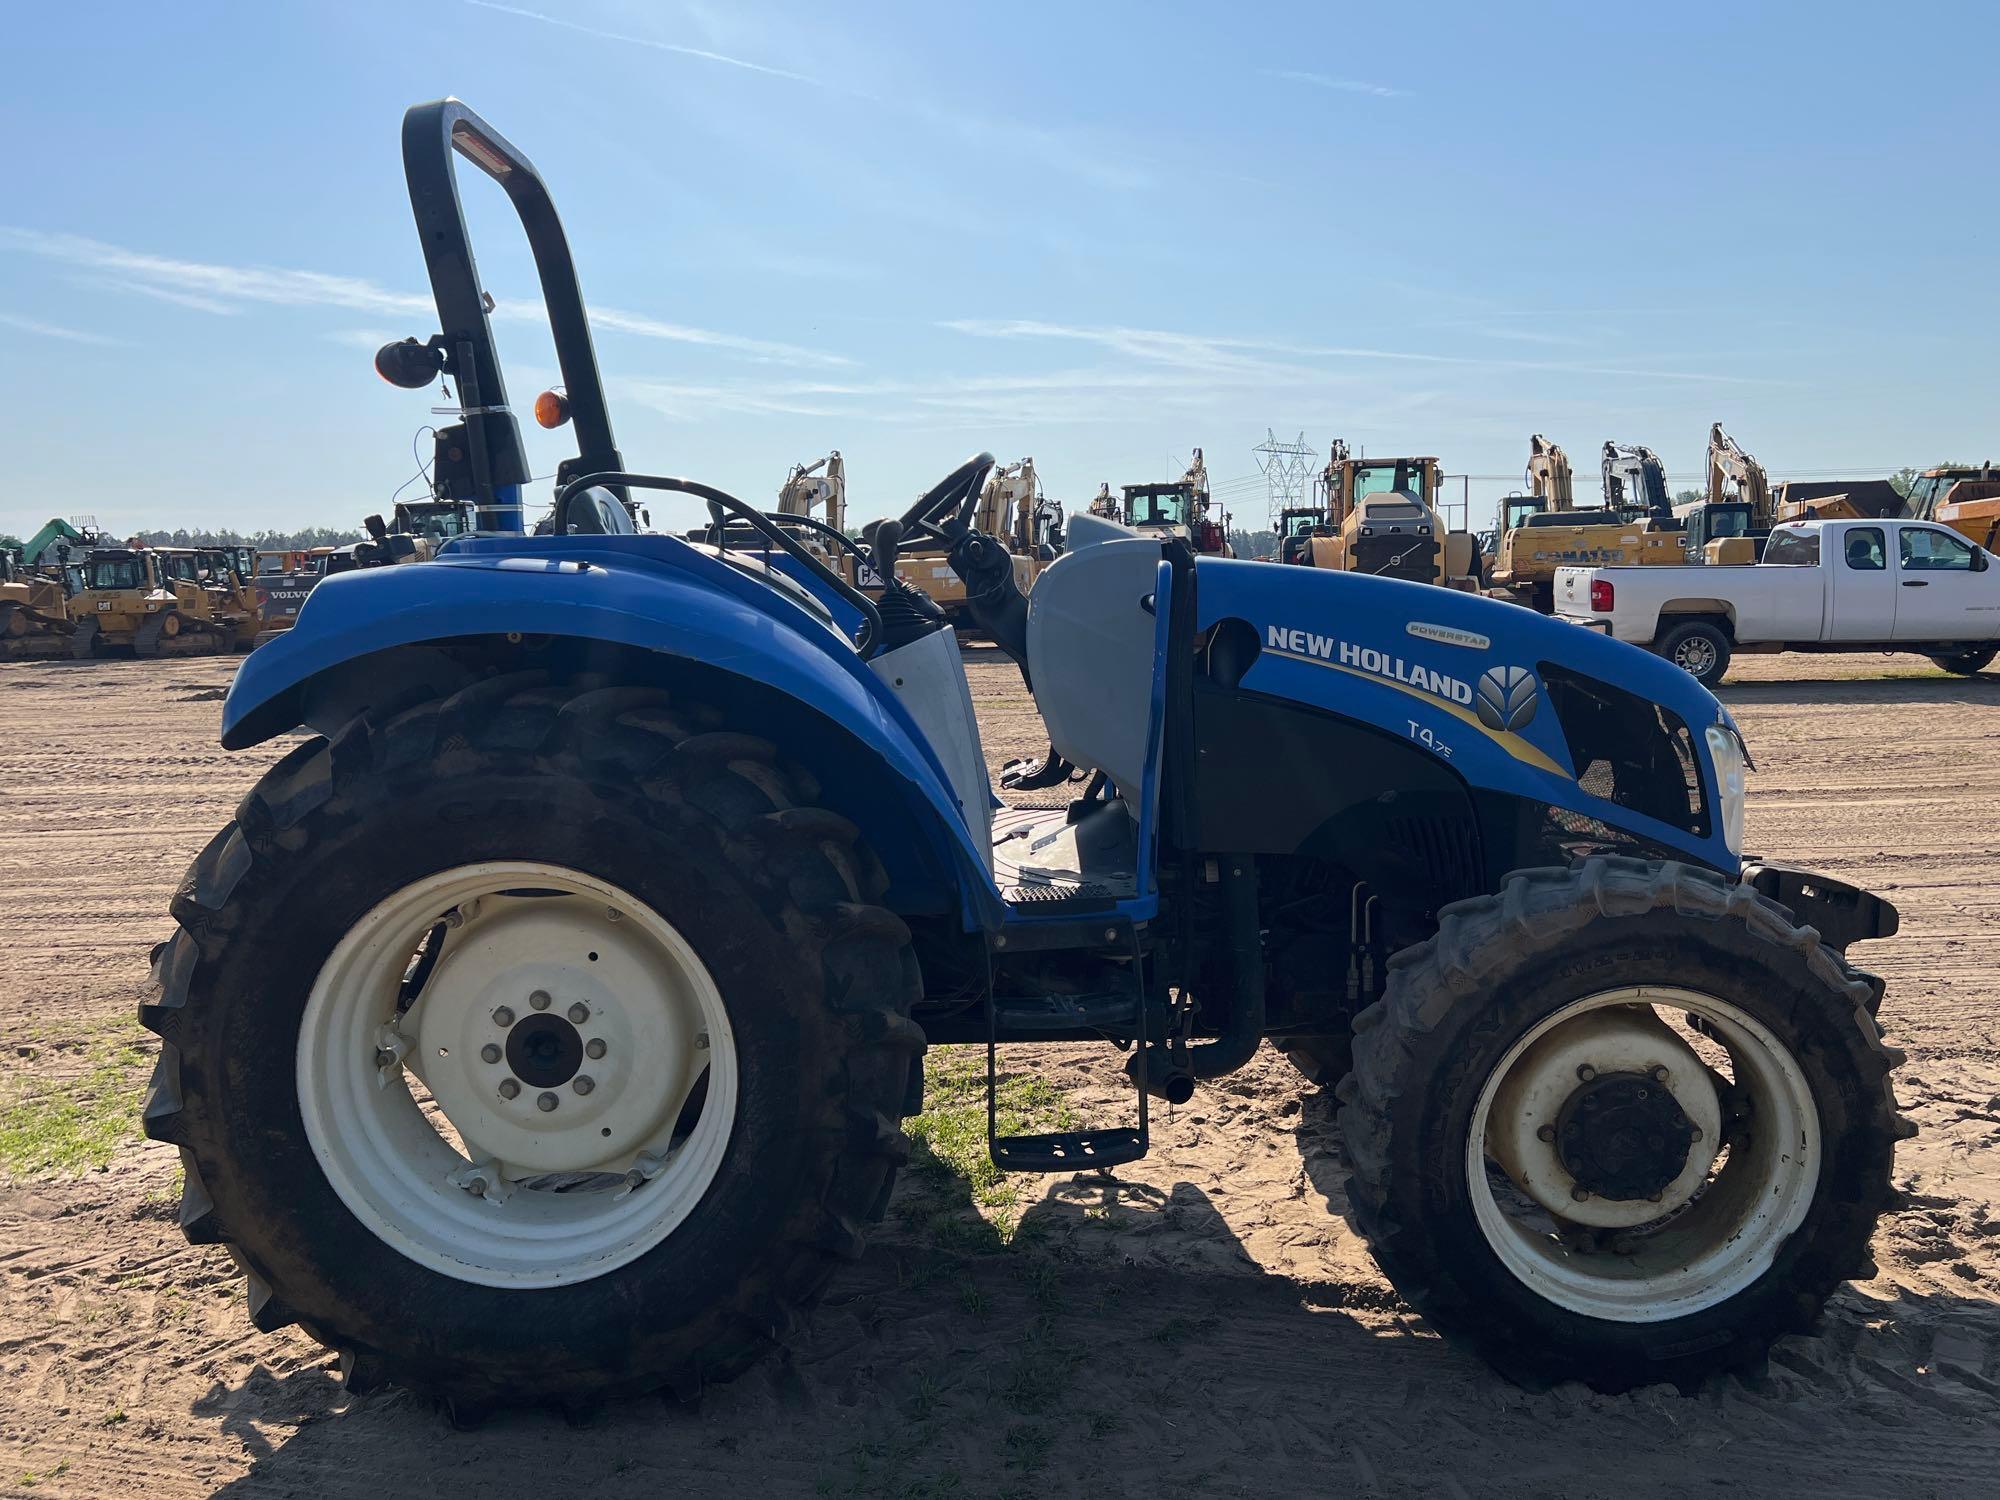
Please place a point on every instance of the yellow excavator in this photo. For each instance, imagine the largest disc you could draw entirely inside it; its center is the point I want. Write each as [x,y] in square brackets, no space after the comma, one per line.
[36,620]
[1382,517]
[1733,517]
[1542,530]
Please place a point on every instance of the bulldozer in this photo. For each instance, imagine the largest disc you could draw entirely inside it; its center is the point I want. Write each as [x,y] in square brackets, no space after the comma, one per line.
[1381,516]
[1542,530]
[36,618]
[229,574]
[1179,508]
[155,601]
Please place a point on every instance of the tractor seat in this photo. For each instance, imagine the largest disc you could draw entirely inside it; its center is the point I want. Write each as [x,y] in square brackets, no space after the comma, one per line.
[1090,648]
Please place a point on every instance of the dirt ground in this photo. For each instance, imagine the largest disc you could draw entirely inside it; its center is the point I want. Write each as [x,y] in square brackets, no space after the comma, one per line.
[1202,1321]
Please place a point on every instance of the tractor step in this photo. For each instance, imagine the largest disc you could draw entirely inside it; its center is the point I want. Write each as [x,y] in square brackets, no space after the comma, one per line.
[1113,1014]
[1069,1150]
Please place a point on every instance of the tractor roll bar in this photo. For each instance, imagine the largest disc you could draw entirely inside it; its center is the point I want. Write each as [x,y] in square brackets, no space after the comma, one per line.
[432,133]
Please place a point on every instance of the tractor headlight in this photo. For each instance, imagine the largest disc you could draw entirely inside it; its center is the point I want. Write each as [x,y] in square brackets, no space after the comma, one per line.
[1725,752]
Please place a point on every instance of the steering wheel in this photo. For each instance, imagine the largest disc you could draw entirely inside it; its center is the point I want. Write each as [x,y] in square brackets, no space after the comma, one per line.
[944,512]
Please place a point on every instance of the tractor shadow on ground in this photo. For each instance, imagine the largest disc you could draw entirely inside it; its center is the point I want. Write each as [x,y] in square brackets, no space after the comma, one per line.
[1121,1340]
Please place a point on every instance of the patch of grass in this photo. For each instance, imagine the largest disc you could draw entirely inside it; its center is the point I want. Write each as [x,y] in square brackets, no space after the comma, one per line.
[51,1126]
[950,1137]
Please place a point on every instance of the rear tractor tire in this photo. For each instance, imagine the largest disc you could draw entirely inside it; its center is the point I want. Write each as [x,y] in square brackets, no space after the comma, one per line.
[1699,648]
[535,1045]
[1622,1123]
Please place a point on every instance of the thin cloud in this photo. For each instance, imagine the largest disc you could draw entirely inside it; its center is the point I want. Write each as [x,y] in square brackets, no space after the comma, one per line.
[1033,143]
[1196,351]
[57,331]
[698,53]
[221,289]
[1336,85]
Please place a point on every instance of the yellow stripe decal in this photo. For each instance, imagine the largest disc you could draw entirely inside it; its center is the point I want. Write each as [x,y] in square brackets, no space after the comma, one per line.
[1522,750]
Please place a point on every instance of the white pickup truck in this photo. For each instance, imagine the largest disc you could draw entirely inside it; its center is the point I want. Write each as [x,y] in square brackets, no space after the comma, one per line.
[1868,585]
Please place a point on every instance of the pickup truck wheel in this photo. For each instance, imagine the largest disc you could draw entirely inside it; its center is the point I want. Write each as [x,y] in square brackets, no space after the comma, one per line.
[1968,663]
[1699,649]
[1622,1123]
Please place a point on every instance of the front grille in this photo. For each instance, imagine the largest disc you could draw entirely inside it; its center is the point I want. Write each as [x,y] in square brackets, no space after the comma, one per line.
[1628,751]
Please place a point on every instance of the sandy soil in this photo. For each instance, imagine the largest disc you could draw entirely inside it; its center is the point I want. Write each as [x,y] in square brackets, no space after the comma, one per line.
[1202,1321]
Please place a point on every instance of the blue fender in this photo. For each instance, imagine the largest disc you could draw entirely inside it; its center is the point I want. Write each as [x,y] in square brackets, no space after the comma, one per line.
[654,593]
[1410,658]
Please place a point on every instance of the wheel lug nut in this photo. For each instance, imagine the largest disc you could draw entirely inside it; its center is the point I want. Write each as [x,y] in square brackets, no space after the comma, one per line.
[540,999]
[1586,1072]
[1546,1133]
[701,1041]
[1579,1194]
[1659,1073]
[546,1102]
[579,1012]
[503,1016]
[1694,1132]
[490,1053]
[509,1088]
[594,1047]
[584,1083]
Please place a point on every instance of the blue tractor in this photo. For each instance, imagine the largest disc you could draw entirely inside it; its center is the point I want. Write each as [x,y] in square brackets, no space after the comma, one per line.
[541,1027]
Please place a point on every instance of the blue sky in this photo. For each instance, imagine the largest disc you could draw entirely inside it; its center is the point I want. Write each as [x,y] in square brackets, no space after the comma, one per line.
[1100,235]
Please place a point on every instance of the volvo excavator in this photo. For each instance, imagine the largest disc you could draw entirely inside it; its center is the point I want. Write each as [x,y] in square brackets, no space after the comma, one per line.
[1542,530]
[1382,517]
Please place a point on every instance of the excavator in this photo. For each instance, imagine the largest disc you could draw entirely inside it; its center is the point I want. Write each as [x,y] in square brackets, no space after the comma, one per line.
[36,620]
[1635,484]
[1105,505]
[1964,498]
[1542,530]
[1381,516]
[1179,509]
[1729,523]
[59,540]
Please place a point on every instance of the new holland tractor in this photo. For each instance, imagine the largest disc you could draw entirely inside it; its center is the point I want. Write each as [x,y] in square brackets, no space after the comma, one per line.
[541,1027]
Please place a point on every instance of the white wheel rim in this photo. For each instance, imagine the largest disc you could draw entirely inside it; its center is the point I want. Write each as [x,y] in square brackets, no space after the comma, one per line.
[540,1195]
[1695,655]
[1707,1240]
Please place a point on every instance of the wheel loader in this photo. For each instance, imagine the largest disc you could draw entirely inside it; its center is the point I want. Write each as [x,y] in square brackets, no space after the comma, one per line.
[36,618]
[1543,531]
[1179,509]
[540,1029]
[1382,518]
[154,601]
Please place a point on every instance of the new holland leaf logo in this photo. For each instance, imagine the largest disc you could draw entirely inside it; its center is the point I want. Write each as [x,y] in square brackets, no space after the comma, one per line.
[1506,698]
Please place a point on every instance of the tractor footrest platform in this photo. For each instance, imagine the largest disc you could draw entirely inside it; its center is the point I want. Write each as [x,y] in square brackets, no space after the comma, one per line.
[1068,1150]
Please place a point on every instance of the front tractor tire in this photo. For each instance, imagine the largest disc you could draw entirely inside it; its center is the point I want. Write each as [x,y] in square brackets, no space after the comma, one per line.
[535,1045]
[1623,1123]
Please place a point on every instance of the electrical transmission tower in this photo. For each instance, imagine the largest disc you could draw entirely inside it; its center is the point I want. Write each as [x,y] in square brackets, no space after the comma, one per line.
[1288,469]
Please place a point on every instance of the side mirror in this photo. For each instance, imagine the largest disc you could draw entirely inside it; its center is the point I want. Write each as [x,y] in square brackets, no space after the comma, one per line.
[1979,562]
